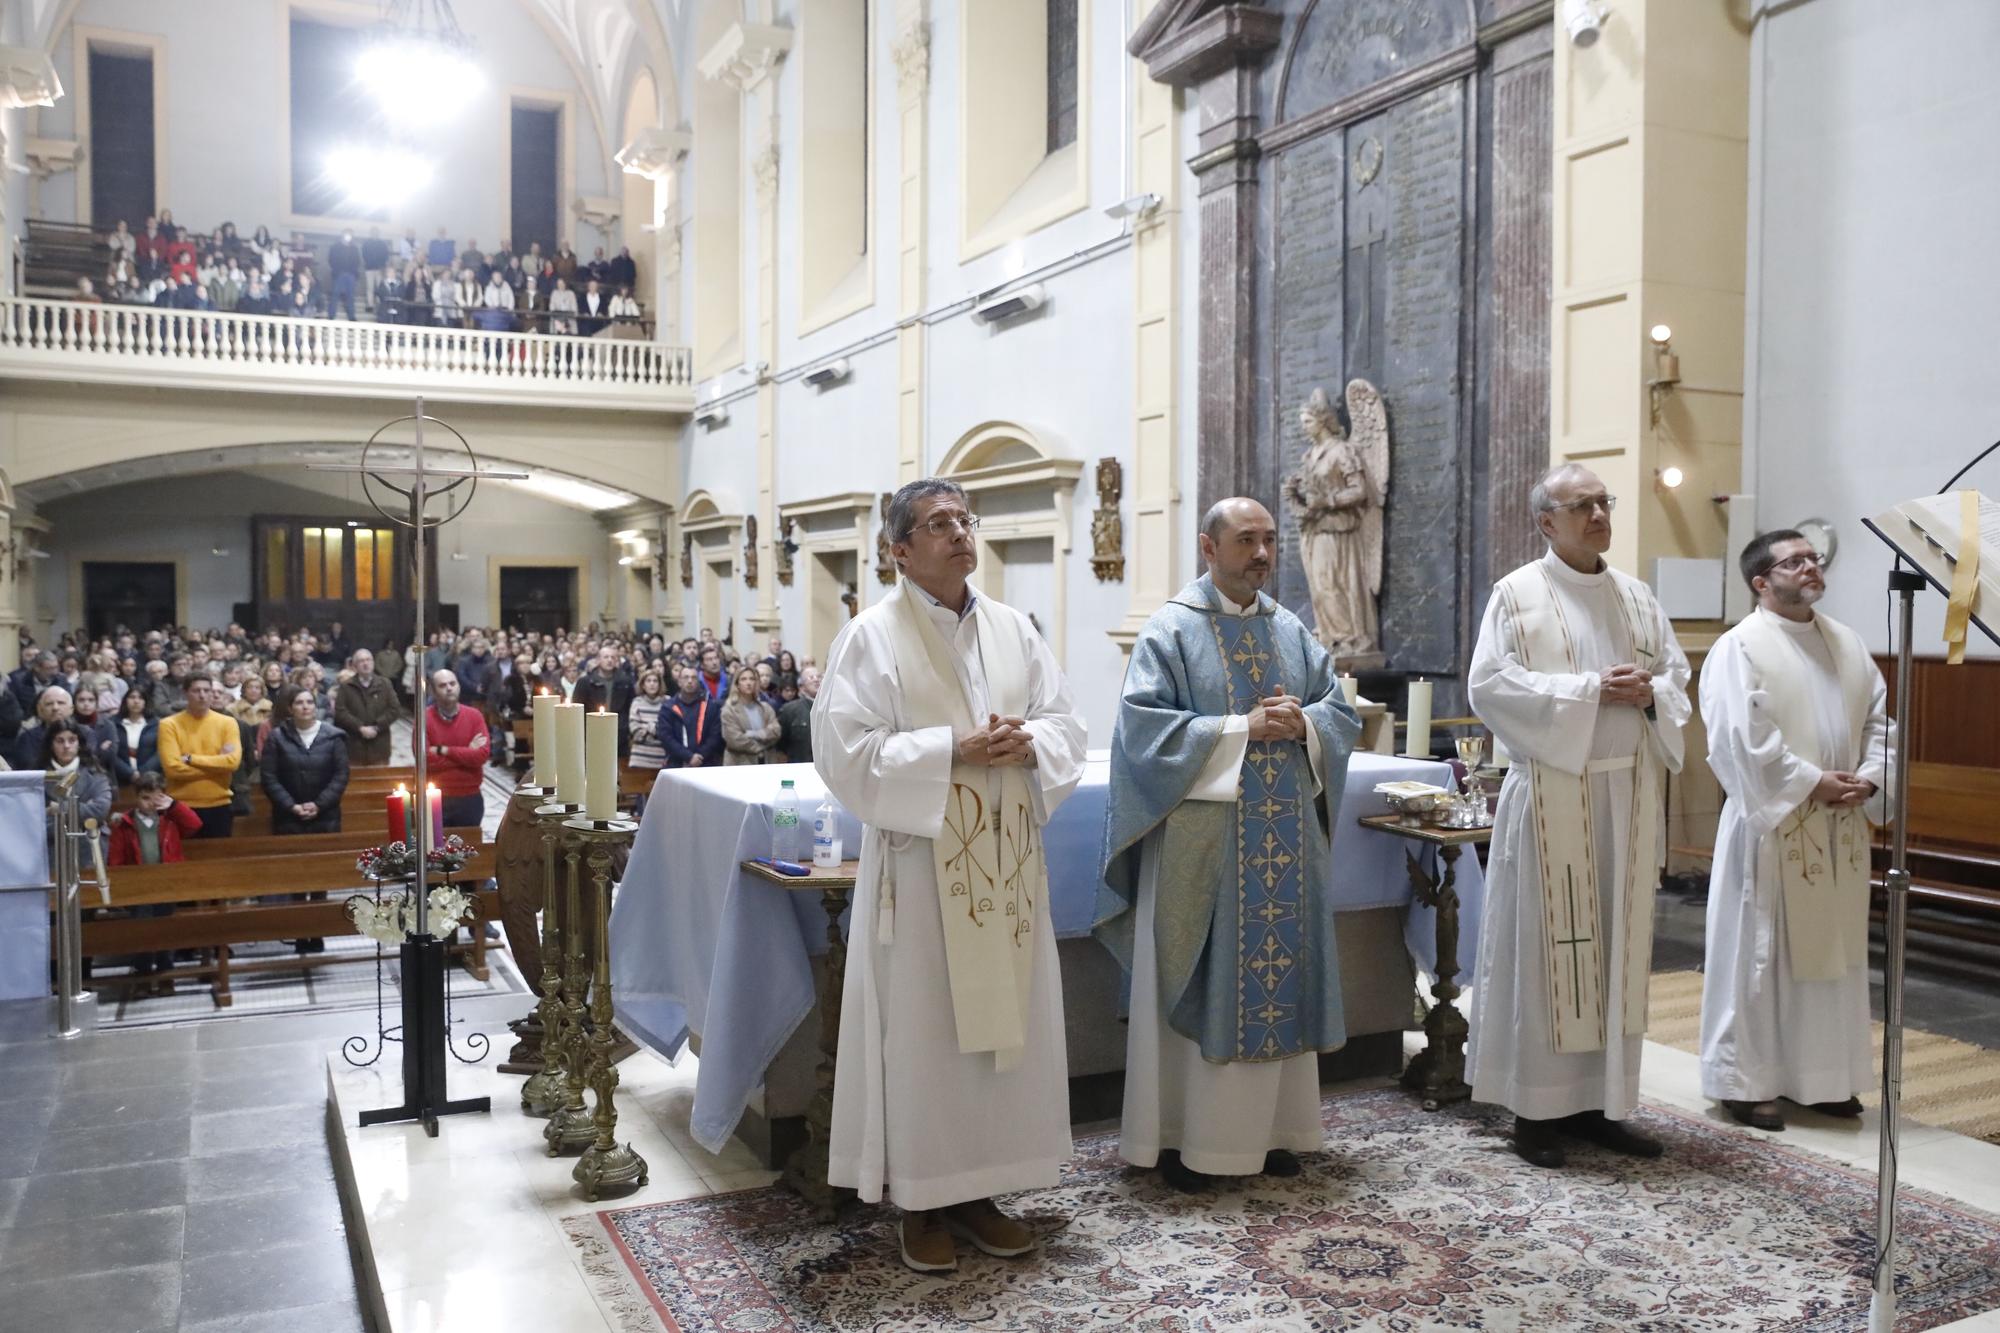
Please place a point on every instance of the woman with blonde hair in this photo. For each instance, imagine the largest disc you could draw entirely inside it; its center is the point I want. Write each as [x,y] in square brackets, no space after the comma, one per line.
[749,725]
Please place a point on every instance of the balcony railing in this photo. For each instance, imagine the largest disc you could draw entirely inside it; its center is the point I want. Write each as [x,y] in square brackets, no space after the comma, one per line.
[73,340]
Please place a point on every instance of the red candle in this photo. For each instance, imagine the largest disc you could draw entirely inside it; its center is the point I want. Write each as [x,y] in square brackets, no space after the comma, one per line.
[437,815]
[399,815]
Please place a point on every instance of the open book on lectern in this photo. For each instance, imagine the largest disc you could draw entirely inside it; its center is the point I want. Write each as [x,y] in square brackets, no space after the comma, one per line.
[1928,532]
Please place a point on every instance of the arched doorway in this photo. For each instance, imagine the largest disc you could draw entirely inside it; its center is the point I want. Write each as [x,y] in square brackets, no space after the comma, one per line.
[1020,487]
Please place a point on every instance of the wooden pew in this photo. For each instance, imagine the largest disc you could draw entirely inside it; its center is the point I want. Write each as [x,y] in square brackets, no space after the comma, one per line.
[214,910]
[1954,853]
[347,840]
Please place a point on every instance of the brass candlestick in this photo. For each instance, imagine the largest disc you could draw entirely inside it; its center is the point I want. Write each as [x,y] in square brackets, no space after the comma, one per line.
[606,1162]
[542,1094]
[569,1128]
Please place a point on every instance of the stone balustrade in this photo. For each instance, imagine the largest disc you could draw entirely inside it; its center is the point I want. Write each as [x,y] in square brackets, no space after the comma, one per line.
[125,344]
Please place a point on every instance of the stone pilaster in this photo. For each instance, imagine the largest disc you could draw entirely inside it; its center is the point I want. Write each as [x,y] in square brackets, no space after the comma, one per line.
[912,52]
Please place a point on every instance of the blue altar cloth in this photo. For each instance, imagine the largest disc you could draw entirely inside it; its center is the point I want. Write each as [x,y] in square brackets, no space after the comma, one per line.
[699,946]
[24,886]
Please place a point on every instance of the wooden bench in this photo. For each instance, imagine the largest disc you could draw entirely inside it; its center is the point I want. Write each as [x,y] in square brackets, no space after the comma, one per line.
[1954,853]
[214,906]
[347,840]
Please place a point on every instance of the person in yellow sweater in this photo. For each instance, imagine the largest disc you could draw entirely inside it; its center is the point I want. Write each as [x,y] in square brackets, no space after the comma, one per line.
[199,752]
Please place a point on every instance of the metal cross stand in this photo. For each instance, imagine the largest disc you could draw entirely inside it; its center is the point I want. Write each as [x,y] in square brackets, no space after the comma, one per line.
[422,952]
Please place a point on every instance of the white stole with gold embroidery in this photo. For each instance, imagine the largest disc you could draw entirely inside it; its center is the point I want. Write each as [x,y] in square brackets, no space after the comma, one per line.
[1564,819]
[990,878]
[1822,851]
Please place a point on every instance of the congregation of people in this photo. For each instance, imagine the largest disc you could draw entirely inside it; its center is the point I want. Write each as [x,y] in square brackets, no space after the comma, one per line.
[437,282]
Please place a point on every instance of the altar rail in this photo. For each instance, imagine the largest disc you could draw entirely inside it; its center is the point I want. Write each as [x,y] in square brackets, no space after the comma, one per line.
[124,344]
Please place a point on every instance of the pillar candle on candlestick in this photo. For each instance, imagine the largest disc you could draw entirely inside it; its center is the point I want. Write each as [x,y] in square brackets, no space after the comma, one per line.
[600,800]
[1420,719]
[1350,689]
[545,738]
[569,753]
[399,814]
[1500,756]
[435,800]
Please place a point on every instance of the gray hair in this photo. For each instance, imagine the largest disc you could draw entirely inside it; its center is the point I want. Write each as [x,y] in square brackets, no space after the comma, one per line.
[902,519]
[1539,502]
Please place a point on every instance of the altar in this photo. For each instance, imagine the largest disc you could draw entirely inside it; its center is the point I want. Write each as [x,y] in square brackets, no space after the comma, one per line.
[701,950]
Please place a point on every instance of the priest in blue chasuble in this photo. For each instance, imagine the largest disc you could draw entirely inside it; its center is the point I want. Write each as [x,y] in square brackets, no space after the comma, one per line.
[1227,763]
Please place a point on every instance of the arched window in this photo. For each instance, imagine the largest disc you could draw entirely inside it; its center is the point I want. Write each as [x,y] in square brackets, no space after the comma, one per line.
[835,219]
[717,199]
[1023,117]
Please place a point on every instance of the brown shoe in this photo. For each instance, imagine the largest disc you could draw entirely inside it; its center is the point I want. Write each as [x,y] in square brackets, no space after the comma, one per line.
[988,1228]
[927,1244]
[1757,1115]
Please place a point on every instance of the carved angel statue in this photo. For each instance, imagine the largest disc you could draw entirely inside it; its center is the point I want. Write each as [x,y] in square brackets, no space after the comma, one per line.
[1338,494]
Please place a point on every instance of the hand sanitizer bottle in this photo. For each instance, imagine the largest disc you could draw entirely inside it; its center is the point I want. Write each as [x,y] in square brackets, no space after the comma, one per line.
[826,834]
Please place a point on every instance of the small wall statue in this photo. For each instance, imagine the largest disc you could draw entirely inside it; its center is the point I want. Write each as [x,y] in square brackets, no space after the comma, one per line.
[1107,529]
[781,552]
[1338,495]
[885,564]
[687,559]
[750,551]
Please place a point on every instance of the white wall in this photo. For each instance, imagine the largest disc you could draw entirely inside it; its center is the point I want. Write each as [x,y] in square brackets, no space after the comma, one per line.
[1875,183]
[188,517]
[227,112]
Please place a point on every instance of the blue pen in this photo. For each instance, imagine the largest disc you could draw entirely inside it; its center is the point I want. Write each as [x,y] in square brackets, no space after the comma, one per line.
[792,868]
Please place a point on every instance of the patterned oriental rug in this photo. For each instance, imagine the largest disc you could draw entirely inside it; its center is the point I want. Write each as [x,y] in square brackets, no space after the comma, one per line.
[1946,1082]
[1413,1221]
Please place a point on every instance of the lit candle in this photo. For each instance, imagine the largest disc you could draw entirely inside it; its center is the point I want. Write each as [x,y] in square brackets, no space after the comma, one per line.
[569,753]
[1420,719]
[600,799]
[435,800]
[399,814]
[1351,688]
[545,738]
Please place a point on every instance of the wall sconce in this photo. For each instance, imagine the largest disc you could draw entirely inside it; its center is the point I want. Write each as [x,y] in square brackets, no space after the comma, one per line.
[1666,368]
[1668,479]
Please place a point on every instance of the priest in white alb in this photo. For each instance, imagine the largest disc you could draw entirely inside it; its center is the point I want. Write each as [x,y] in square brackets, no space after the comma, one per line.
[1578,673]
[1227,765]
[945,724]
[1799,737]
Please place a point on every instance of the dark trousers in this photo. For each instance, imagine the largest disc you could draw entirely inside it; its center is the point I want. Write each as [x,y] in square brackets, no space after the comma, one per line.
[465,811]
[218,821]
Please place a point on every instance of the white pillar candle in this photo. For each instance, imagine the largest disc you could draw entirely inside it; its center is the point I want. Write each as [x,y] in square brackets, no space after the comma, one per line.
[600,731]
[569,753]
[1500,756]
[1420,719]
[545,738]
[1351,688]
[1385,739]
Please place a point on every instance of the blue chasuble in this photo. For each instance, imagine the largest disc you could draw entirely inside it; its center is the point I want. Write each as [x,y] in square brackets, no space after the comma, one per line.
[1243,929]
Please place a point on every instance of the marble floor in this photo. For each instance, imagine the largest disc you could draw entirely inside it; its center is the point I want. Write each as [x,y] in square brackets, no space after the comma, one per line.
[181,1177]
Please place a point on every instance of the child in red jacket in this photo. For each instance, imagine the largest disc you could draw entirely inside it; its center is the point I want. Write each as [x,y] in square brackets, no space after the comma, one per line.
[150,833]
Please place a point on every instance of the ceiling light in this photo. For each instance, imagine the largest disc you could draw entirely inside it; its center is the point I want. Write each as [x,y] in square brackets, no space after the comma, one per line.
[572,491]
[418,64]
[1583,20]
[373,178]
[1662,335]
[1669,478]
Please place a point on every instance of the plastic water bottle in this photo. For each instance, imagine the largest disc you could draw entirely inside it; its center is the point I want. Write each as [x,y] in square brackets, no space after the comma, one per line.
[826,834]
[785,823]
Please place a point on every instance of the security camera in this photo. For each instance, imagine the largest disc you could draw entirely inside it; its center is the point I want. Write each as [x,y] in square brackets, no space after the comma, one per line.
[1583,19]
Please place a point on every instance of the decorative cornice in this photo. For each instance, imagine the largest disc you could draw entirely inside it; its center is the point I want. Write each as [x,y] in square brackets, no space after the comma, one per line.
[654,153]
[27,78]
[765,168]
[745,55]
[599,210]
[48,156]
[912,53]
[1181,45]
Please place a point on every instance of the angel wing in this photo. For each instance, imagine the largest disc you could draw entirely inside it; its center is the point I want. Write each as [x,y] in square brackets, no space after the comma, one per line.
[1368,431]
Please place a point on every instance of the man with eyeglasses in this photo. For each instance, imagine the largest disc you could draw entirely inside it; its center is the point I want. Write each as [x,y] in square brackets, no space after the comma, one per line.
[1799,736]
[1577,671]
[944,722]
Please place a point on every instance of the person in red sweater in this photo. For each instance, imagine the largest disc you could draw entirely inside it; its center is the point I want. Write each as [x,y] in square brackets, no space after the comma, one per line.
[150,833]
[458,749]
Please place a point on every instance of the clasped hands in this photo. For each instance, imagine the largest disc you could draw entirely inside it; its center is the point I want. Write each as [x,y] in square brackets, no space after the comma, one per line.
[1278,717]
[1842,789]
[1003,742]
[1626,683]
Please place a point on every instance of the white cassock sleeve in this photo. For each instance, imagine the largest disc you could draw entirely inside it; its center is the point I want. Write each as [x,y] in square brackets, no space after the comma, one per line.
[1671,705]
[1879,740]
[891,779]
[1058,733]
[1218,780]
[1543,717]
[1749,758]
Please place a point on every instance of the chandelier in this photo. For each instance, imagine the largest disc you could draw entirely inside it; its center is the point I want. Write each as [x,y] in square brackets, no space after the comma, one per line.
[417,64]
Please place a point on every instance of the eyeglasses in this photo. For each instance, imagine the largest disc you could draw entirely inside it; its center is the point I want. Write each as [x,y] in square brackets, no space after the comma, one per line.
[1588,503]
[1798,564]
[948,524]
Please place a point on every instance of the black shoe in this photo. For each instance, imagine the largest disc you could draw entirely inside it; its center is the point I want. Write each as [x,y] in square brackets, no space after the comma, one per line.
[300,947]
[1535,1142]
[1847,1110]
[1279,1162]
[315,945]
[1757,1115]
[1180,1177]
[1598,1128]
